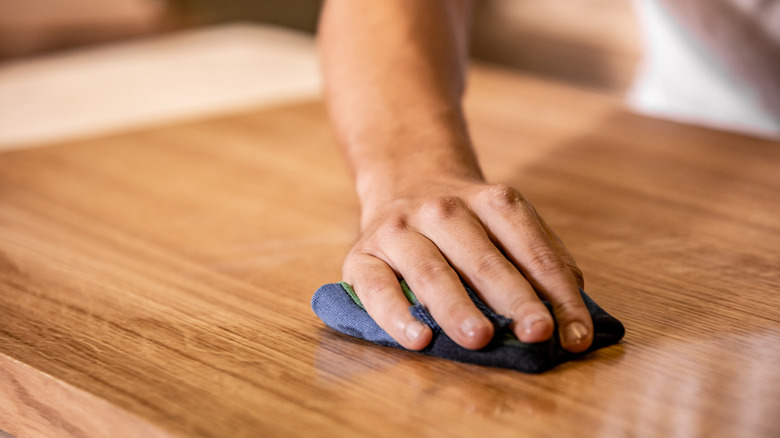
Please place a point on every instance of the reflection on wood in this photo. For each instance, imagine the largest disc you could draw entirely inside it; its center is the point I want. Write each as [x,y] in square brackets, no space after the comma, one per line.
[157,283]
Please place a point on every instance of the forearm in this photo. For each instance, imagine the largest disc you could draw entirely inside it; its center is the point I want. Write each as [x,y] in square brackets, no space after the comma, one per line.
[394,78]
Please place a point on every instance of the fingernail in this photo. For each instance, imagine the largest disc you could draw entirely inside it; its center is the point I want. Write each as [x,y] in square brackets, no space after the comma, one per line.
[530,321]
[471,325]
[413,330]
[575,333]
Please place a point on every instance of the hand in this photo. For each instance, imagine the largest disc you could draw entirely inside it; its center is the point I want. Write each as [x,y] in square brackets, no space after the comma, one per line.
[487,234]
[394,75]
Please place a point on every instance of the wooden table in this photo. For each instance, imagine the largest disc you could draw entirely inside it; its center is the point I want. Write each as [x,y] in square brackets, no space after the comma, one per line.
[157,283]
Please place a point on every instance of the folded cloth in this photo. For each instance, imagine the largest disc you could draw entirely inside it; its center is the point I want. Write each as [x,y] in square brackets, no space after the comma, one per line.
[340,309]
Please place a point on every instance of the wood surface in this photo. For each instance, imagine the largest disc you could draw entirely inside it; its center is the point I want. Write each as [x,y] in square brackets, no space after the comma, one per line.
[157,283]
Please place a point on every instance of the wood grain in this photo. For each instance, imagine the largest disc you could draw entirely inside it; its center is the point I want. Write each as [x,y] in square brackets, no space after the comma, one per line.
[157,283]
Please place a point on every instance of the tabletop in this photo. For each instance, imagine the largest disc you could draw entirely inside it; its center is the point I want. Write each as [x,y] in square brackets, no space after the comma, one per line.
[158,282]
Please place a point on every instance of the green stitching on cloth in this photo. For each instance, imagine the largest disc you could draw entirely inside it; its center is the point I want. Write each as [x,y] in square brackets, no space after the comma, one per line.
[408,292]
[404,287]
[506,338]
[351,293]
[510,339]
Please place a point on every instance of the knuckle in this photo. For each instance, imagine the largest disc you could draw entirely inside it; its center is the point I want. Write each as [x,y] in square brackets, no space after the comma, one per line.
[428,273]
[356,257]
[546,262]
[442,208]
[503,197]
[372,291]
[490,265]
[362,253]
[520,306]
[395,225]
[352,258]
[358,267]
[569,306]
[377,299]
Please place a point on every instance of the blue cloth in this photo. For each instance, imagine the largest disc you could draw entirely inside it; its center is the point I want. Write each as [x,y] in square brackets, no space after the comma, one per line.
[338,307]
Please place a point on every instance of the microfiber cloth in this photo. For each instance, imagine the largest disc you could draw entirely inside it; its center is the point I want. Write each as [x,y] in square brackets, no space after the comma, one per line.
[340,309]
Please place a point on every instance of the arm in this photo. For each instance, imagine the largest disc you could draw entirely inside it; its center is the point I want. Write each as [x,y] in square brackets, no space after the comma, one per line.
[394,77]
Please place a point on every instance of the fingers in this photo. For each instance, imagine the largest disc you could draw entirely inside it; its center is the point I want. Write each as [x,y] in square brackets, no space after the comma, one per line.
[436,285]
[397,248]
[563,253]
[377,287]
[513,224]
[459,235]
[496,243]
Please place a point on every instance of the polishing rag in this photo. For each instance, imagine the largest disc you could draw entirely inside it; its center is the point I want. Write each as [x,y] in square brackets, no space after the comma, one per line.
[340,309]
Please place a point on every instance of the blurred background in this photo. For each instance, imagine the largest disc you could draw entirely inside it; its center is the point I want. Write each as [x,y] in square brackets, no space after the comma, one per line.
[592,42]
[44,25]
[71,68]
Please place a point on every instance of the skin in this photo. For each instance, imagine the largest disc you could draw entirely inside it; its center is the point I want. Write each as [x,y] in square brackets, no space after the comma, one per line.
[394,75]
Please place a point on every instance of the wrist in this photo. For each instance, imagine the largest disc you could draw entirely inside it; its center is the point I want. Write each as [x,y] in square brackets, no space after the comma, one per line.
[395,160]
[411,178]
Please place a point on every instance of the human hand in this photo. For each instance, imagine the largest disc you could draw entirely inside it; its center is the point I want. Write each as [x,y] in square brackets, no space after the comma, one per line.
[490,236]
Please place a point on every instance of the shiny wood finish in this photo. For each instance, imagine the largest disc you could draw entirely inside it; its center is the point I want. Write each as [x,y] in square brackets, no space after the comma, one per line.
[157,283]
